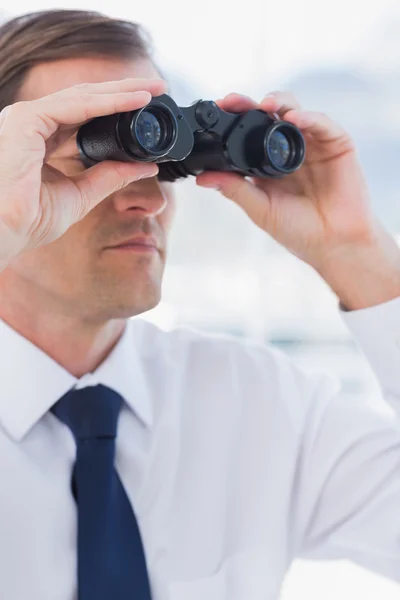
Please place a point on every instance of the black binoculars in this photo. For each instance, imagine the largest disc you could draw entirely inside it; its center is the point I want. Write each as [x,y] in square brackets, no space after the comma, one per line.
[188,140]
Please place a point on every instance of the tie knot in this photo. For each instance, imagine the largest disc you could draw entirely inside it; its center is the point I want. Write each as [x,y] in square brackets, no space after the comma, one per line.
[90,412]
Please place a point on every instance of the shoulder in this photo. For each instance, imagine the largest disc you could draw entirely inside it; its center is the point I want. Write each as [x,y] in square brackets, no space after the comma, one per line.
[206,350]
[260,373]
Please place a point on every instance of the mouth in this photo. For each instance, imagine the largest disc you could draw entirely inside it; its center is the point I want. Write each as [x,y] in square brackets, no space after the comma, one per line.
[134,248]
[138,244]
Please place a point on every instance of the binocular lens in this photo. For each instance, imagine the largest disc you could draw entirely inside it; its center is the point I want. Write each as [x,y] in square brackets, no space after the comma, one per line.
[148,130]
[154,130]
[279,149]
[284,147]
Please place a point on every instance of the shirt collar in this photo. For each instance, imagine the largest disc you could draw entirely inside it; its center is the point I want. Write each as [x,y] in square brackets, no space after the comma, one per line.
[31,382]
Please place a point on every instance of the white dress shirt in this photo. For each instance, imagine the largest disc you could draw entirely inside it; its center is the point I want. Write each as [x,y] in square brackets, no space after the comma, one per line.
[235,461]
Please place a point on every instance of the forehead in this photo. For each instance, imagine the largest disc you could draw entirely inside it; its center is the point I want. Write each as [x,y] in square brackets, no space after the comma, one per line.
[47,78]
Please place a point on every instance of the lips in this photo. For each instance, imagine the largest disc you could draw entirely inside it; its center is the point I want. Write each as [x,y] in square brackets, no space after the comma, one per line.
[147,241]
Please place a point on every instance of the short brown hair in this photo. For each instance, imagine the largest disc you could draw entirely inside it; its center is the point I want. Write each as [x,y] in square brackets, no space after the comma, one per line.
[44,36]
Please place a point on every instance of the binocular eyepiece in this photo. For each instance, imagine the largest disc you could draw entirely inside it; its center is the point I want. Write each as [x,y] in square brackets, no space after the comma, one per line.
[185,141]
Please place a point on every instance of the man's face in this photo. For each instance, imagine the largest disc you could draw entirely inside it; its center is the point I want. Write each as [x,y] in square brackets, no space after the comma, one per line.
[78,271]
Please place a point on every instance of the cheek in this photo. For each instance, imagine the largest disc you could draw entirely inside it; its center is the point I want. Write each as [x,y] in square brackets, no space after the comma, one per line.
[71,252]
[48,266]
[167,216]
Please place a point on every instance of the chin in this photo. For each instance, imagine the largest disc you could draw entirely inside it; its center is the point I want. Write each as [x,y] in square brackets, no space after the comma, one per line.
[136,307]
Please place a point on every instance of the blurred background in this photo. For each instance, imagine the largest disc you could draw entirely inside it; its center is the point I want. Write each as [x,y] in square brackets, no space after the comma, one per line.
[224,275]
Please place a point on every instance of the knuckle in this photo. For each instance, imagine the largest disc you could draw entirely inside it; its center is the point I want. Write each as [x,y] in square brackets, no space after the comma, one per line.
[83,99]
[286,93]
[16,116]
[70,93]
[127,173]
[17,110]
[3,114]
[236,190]
[121,185]
[291,96]
[289,100]
[5,110]
[123,181]
[81,87]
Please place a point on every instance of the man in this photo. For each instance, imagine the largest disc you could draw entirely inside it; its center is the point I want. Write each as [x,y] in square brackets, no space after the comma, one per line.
[137,463]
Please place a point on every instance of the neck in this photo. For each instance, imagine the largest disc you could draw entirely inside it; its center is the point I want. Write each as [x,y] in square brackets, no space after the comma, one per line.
[79,345]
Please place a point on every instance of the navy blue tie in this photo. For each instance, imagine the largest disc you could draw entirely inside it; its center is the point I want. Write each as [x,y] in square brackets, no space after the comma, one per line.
[111,559]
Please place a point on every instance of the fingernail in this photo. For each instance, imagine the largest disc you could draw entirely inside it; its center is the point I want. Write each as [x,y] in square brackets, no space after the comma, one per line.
[211,186]
[151,173]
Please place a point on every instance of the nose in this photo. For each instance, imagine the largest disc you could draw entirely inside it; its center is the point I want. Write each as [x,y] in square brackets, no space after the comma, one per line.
[146,197]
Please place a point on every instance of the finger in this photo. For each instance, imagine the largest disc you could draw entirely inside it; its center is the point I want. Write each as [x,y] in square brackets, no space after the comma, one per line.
[236,103]
[75,110]
[44,116]
[322,127]
[83,93]
[241,191]
[280,103]
[3,114]
[130,84]
[107,177]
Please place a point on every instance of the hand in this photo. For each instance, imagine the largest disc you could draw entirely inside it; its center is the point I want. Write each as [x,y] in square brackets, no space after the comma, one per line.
[316,210]
[38,203]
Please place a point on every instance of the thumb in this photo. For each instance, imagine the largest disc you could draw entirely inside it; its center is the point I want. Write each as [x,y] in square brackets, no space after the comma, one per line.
[254,201]
[108,177]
